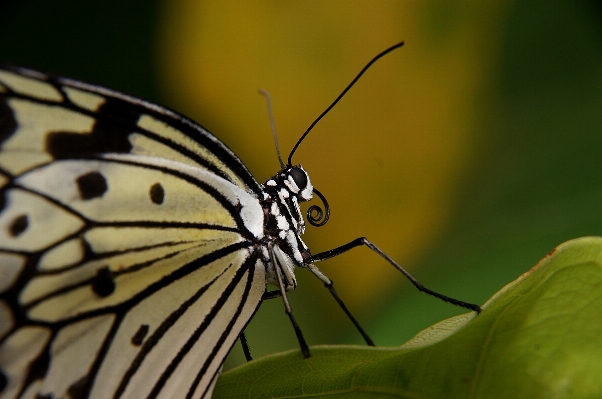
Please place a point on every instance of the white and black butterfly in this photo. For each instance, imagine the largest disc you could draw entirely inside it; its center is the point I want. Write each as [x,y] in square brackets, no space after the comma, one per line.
[134,245]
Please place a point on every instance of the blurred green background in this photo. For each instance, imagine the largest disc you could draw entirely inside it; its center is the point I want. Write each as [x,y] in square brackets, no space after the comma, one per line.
[467,155]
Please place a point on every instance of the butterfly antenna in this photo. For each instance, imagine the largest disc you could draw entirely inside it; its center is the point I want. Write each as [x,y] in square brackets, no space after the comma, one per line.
[269,104]
[290,157]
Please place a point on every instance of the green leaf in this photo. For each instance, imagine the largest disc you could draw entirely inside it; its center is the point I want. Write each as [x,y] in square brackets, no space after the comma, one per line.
[538,337]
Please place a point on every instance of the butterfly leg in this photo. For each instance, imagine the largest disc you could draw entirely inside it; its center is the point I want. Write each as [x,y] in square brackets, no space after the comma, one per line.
[364,241]
[330,285]
[287,307]
[245,346]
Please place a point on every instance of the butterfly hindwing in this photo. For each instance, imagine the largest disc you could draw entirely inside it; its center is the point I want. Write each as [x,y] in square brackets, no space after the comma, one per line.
[125,234]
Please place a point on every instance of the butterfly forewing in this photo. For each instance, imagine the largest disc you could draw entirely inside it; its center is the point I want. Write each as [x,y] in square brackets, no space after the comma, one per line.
[126,232]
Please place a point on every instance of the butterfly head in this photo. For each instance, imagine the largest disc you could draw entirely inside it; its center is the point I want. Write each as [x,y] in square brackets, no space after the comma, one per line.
[293,180]
[284,221]
[297,181]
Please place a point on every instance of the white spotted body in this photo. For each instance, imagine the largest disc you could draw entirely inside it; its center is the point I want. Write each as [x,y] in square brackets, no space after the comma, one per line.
[284,222]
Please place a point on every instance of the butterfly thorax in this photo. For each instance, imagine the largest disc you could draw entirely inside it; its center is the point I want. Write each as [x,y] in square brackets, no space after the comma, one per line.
[284,223]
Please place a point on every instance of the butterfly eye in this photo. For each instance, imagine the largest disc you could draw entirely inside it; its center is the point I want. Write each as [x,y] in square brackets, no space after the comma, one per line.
[299,177]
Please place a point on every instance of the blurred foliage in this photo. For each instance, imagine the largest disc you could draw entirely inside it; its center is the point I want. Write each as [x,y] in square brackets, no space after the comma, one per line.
[107,43]
[466,155]
[538,337]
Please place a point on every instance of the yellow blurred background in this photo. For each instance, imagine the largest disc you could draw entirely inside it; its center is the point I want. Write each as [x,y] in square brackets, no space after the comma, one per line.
[389,156]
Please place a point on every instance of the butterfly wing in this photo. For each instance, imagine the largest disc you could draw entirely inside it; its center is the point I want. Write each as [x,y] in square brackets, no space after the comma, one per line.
[126,267]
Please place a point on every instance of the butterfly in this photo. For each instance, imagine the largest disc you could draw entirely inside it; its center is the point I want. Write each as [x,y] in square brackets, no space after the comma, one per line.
[134,245]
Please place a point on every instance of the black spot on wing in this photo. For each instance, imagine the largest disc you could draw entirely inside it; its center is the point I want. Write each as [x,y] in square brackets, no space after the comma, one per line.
[138,338]
[8,124]
[91,185]
[80,388]
[115,121]
[18,225]
[103,284]
[86,249]
[3,381]
[65,145]
[157,194]
[38,368]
